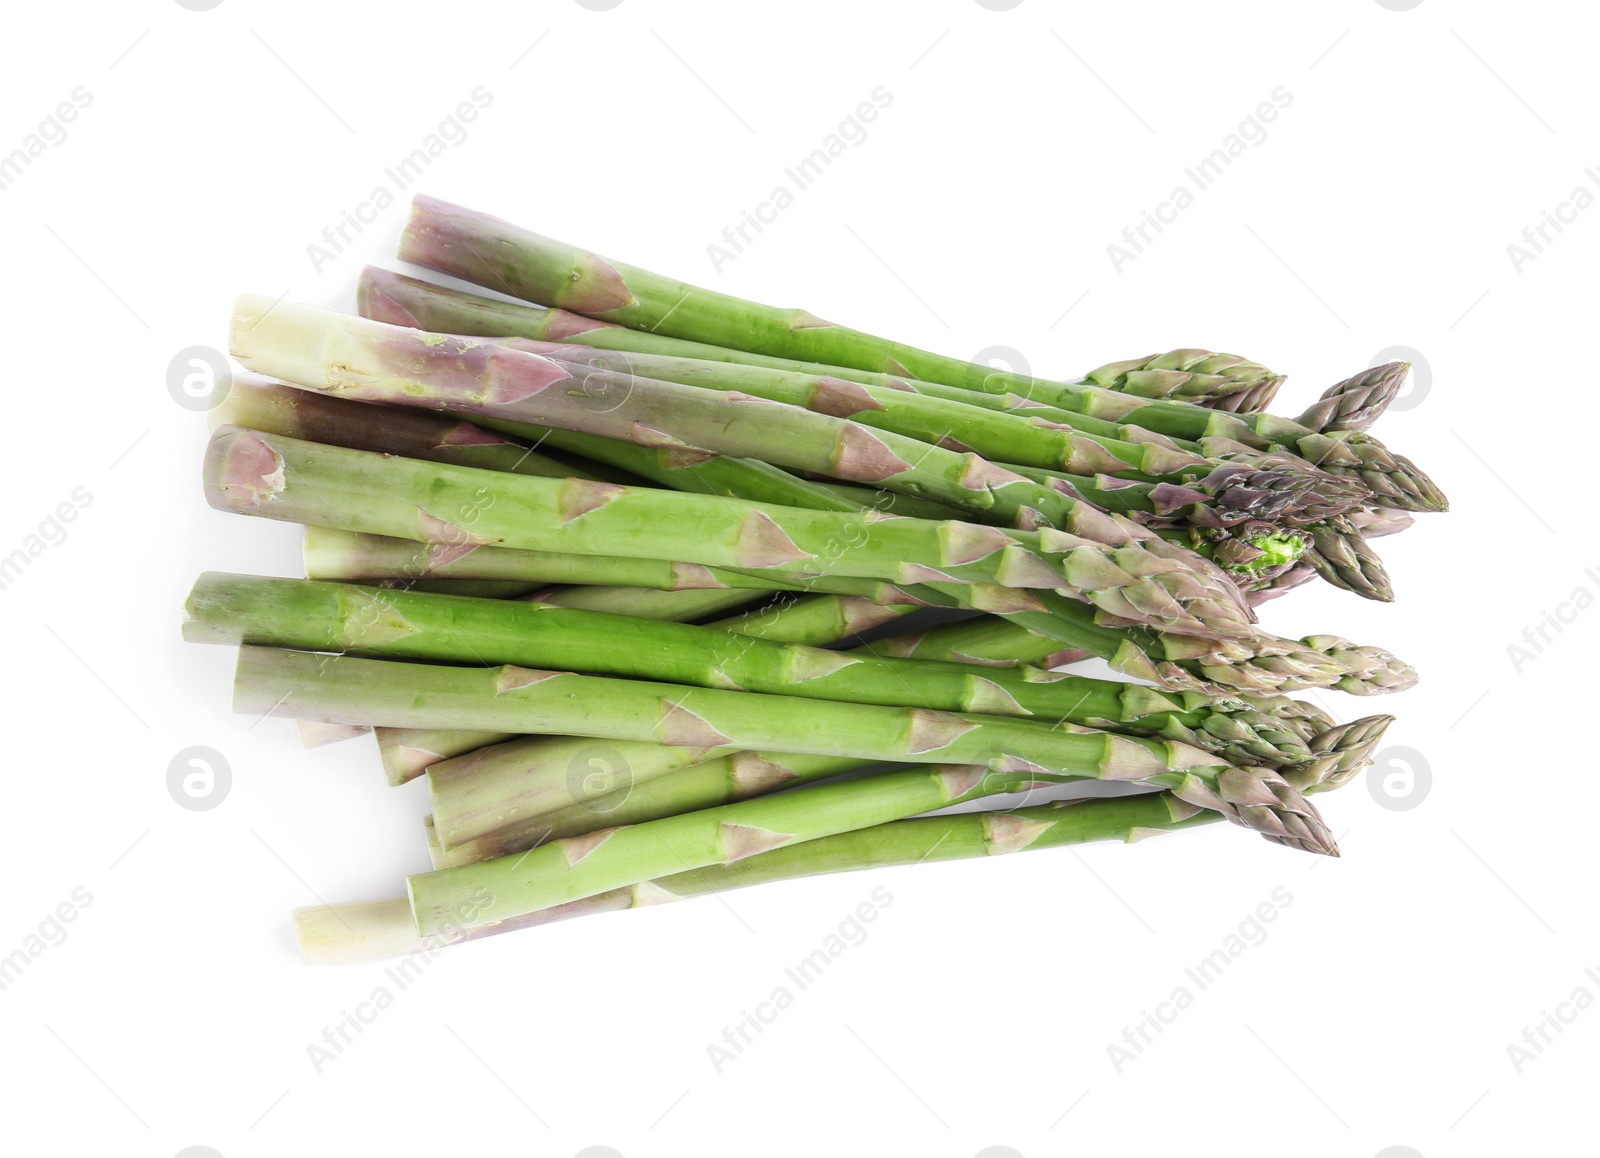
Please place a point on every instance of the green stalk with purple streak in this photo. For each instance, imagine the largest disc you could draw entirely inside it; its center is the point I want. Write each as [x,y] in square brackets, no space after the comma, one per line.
[461,510]
[343,688]
[506,258]
[353,934]
[380,363]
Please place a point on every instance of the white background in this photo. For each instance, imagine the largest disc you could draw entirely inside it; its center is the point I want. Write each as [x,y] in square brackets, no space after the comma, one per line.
[1377,212]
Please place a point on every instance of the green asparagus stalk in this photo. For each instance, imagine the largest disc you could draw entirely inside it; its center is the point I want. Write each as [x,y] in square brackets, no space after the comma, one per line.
[462,510]
[403,301]
[953,425]
[311,616]
[355,934]
[376,362]
[1264,664]
[493,253]
[258,404]
[344,688]
[579,867]
[609,799]
[802,619]
[1358,401]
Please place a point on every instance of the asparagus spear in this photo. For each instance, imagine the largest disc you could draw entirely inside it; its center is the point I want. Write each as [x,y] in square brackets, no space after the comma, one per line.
[461,510]
[258,404]
[1376,522]
[578,867]
[1220,381]
[354,934]
[375,362]
[1343,557]
[493,253]
[310,616]
[954,425]
[1358,401]
[342,688]
[1226,496]
[804,619]
[1264,664]
[404,301]
[1339,753]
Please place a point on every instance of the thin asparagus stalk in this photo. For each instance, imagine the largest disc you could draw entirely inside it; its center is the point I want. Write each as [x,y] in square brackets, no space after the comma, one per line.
[1339,753]
[951,424]
[403,301]
[573,869]
[357,934]
[605,794]
[1265,664]
[804,619]
[338,554]
[462,510]
[493,253]
[1358,401]
[310,616]
[342,688]
[376,362]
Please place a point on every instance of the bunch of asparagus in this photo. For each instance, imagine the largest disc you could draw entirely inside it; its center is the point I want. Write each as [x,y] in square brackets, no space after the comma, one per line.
[615,566]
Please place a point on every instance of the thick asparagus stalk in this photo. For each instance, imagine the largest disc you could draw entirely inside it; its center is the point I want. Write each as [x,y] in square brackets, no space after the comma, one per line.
[1358,401]
[575,868]
[493,253]
[311,616]
[354,934]
[258,404]
[343,688]
[404,301]
[462,510]
[1264,664]
[802,619]
[381,363]
[954,425]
